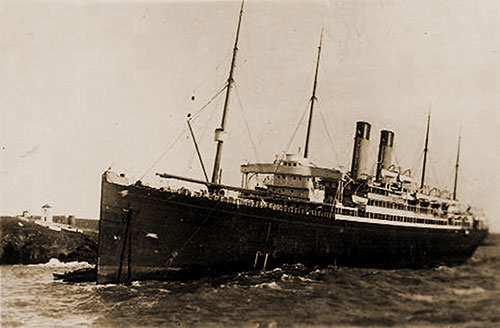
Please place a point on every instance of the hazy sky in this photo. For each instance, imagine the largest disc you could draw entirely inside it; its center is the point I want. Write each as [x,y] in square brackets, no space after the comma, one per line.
[85,85]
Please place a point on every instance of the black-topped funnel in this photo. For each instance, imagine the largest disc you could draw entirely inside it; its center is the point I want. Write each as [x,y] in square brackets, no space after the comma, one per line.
[384,160]
[360,167]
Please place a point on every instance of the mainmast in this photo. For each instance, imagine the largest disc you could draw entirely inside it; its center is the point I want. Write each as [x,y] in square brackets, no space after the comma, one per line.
[220,131]
[313,98]
[426,149]
[456,170]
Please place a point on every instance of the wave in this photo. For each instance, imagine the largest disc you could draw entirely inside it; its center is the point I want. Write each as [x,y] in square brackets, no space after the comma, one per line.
[304,279]
[271,285]
[445,268]
[418,297]
[55,263]
[467,291]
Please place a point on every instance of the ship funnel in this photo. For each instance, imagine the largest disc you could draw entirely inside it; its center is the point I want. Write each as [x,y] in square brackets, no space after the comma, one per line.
[384,152]
[360,166]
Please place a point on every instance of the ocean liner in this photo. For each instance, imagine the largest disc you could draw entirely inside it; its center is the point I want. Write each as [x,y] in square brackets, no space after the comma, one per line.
[298,213]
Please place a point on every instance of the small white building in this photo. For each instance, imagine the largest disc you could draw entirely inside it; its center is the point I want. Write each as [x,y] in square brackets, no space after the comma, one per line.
[46,215]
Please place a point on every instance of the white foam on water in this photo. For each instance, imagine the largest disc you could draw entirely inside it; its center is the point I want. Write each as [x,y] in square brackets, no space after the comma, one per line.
[444,268]
[306,279]
[286,277]
[55,263]
[418,297]
[271,285]
[136,283]
[467,291]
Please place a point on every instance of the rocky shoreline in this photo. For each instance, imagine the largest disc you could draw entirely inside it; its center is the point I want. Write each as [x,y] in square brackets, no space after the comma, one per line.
[25,242]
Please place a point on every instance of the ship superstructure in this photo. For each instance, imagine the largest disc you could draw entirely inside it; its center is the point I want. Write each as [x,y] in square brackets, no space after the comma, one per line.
[388,196]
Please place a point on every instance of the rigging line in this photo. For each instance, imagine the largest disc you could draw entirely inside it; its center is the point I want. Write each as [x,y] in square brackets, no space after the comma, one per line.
[246,66]
[246,123]
[204,79]
[131,148]
[395,159]
[436,177]
[415,163]
[165,152]
[185,130]
[297,127]
[223,61]
[293,136]
[208,103]
[323,119]
[196,231]
[469,186]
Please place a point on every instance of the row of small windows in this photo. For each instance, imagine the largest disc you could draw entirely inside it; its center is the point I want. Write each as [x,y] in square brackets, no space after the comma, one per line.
[284,190]
[388,217]
[293,177]
[399,218]
[288,164]
[413,208]
[291,190]
[379,191]
[382,191]
[345,211]
[382,203]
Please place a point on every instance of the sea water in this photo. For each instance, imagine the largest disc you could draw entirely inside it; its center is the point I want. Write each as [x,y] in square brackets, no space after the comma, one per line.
[293,295]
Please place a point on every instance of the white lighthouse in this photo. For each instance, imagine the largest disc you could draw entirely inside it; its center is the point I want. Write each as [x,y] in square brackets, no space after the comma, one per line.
[46,215]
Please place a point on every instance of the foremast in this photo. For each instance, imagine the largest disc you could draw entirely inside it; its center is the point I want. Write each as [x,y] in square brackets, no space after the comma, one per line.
[220,130]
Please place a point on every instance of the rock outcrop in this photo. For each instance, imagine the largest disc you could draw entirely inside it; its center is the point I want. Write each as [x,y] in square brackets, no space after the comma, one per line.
[23,242]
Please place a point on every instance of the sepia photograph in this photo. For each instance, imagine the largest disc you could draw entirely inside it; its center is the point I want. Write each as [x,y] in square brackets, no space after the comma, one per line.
[249,163]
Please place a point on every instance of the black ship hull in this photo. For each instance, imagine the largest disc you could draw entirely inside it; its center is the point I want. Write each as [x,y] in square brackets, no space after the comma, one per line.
[147,233]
